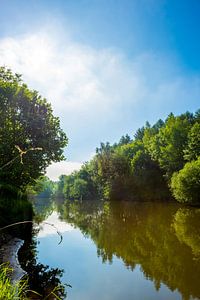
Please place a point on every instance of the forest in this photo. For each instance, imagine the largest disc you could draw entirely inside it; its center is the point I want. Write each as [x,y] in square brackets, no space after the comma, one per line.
[160,162]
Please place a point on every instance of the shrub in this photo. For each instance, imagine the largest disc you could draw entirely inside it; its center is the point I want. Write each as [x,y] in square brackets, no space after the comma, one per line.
[185,184]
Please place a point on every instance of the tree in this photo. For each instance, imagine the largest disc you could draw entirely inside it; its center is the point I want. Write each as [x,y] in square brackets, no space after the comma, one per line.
[78,189]
[192,151]
[125,140]
[43,187]
[139,134]
[185,184]
[30,135]
[167,146]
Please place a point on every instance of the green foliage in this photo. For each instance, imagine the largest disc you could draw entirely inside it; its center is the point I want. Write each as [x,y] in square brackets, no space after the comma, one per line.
[79,188]
[26,124]
[78,185]
[167,145]
[43,187]
[185,184]
[192,151]
[124,171]
[139,168]
[139,134]
[125,140]
[9,290]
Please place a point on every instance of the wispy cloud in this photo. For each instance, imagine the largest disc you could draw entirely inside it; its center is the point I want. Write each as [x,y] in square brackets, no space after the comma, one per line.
[71,76]
[99,94]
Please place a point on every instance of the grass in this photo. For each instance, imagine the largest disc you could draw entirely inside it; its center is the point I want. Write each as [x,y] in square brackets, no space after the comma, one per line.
[9,290]
[19,290]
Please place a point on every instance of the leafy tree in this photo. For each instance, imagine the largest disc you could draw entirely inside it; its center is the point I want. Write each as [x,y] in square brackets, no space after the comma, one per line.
[131,149]
[78,189]
[139,134]
[197,115]
[60,185]
[43,187]
[159,124]
[80,184]
[185,184]
[139,169]
[192,151]
[167,146]
[125,139]
[148,177]
[30,136]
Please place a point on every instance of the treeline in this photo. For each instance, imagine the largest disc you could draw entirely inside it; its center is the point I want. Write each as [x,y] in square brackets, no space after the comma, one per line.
[43,187]
[160,162]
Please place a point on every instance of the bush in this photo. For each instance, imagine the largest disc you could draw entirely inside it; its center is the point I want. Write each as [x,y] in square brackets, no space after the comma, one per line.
[185,184]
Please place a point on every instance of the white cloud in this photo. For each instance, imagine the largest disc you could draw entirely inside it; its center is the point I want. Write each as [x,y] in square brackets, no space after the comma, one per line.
[98,94]
[71,77]
[63,167]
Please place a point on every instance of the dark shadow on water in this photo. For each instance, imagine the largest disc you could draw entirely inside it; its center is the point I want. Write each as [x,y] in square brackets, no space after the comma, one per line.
[41,279]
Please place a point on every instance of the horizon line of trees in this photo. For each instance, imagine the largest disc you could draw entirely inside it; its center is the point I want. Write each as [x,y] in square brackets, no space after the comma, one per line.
[160,162]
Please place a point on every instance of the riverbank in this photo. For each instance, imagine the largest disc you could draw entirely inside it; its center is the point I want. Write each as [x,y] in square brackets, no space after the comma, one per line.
[9,254]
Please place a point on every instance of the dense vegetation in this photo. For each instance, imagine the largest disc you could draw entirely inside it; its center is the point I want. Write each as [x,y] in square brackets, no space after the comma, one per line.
[159,161]
[43,188]
[30,136]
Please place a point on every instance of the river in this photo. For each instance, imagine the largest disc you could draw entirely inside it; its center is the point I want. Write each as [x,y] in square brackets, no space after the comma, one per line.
[123,250]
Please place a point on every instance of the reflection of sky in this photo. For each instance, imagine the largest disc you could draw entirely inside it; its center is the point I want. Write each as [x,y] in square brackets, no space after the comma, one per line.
[58,225]
[89,277]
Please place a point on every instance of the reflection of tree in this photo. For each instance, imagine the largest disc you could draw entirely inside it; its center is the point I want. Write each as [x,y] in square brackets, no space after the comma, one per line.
[15,210]
[41,278]
[186,224]
[46,282]
[42,208]
[143,234]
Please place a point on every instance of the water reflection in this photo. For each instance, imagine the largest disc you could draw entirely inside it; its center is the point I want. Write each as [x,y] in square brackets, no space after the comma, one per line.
[42,207]
[186,225]
[43,282]
[164,239]
[58,226]
[41,278]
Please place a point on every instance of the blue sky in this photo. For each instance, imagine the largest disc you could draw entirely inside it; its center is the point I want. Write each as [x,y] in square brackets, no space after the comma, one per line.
[106,66]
